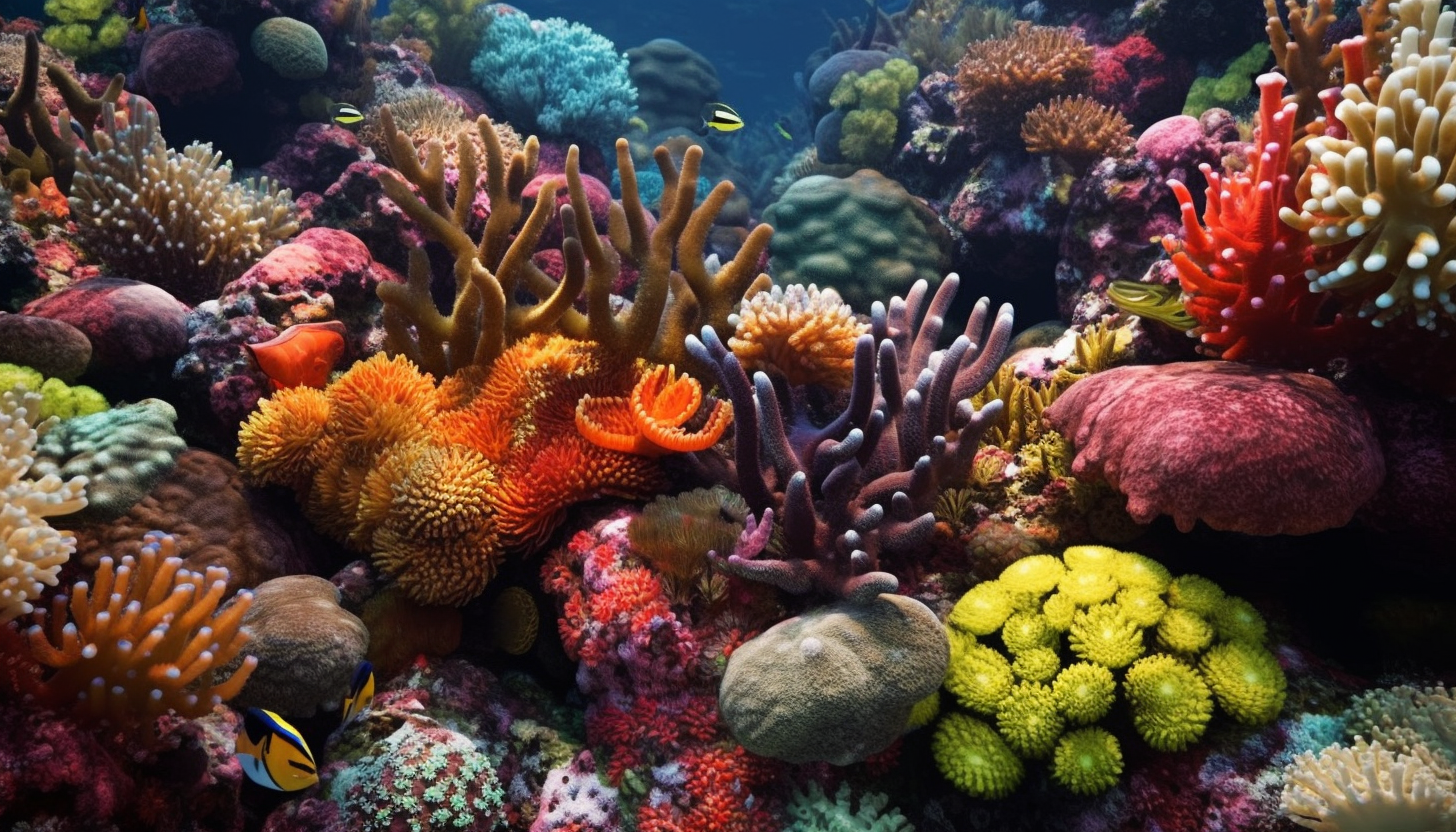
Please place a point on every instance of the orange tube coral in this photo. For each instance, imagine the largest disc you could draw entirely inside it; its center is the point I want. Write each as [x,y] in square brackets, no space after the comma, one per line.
[650,421]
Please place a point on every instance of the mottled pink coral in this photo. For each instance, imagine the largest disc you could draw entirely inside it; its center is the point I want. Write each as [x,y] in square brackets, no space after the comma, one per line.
[187,63]
[1241,448]
[130,324]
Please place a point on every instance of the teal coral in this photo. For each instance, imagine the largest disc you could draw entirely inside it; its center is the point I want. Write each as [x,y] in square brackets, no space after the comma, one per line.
[812,810]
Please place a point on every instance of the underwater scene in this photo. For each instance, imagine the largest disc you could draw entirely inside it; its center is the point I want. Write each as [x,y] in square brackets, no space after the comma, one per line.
[661,416]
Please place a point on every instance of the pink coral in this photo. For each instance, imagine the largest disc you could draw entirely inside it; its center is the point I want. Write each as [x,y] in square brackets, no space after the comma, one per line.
[1243,449]
[187,63]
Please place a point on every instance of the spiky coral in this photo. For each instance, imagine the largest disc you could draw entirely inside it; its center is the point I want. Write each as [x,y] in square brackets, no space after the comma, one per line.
[803,335]
[146,639]
[1078,130]
[33,552]
[487,315]
[174,219]
[1000,79]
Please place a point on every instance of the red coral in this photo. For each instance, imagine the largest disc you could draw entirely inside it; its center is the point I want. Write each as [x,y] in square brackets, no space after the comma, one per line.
[1242,268]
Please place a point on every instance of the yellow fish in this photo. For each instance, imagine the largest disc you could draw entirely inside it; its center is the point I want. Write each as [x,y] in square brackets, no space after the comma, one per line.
[345,115]
[273,753]
[361,692]
[721,117]
[139,21]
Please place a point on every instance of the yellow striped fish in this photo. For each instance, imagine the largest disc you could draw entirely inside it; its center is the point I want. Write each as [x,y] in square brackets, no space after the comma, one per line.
[273,753]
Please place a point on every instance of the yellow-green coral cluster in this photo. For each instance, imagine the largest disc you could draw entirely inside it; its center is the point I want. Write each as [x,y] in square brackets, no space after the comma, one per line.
[84,27]
[872,101]
[1038,655]
[57,398]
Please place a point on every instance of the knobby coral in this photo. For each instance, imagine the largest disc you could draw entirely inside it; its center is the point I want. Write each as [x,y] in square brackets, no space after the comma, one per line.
[1077,129]
[802,335]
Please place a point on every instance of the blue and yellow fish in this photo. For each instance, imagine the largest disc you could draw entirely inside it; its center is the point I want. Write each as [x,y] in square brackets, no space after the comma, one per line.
[273,753]
[361,692]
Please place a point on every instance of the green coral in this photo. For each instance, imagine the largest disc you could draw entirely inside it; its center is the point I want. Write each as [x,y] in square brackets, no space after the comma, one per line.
[451,28]
[1195,593]
[1087,761]
[64,401]
[1026,631]
[1038,664]
[1171,704]
[84,27]
[123,453]
[1246,680]
[1084,692]
[983,610]
[974,758]
[813,811]
[979,677]
[1104,634]
[1229,89]
[1184,631]
[1028,720]
[872,101]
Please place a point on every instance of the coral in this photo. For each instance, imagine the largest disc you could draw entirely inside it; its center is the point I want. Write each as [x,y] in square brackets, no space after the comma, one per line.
[451,31]
[401,630]
[1104,635]
[804,336]
[1241,268]
[291,48]
[1028,720]
[1369,789]
[1171,704]
[974,758]
[650,422]
[186,64]
[864,236]
[53,348]
[57,398]
[869,104]
[575,797]
[132,326]
[675,533]
[85,27]
[1257,451]
[34,552]
[1085,692]
[124,195]
[1246,681]
[1227,90]
[306,647]
[1077,130]
[797,691]
[1000,79]
[812,810]
[937,32]
[557,77]
[1403,717]
[122,452]
[144,637]
[1087,761]
[979,677]
[673,83]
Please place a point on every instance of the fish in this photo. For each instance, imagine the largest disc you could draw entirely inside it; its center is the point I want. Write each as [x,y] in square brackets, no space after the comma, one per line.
[345,115]
[303,354]
[361,692]
[719,116]
[139,21]
[783,131]
[1152,300]
[636,123]
[273,754]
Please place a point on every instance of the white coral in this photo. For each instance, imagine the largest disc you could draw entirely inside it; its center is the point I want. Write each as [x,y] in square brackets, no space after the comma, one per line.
[1366,788]
[33,551]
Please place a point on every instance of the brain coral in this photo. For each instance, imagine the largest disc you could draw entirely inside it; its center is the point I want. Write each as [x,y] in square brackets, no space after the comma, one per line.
[1241,448]
[291,47]
[865,236]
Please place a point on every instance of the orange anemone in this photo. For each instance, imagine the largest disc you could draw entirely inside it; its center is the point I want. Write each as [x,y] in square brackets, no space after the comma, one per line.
[650,421]
[301,355]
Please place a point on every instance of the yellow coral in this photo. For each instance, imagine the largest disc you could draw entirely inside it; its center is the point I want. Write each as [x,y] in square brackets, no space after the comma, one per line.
[804,335]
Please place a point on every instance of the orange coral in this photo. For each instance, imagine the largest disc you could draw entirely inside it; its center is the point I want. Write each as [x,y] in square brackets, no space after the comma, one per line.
[1078,130]
[804,335]
[279,440]
[148,638]
[650,421]
[1000,79]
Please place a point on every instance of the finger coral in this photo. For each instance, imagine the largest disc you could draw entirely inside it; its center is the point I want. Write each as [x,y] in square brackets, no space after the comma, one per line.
[144,637]
[33,552]
[1369,789]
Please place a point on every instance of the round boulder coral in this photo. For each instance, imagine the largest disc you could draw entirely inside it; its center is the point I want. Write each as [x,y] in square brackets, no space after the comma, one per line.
[1242,448]
[837,683]
[294,49]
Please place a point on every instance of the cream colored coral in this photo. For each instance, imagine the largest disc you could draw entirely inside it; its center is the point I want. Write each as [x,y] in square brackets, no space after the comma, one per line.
[1366,788]
[805,335]
[33,552]
[1392,184]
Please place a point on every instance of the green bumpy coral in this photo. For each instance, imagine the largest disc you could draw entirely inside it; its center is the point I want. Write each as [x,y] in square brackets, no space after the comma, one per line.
[872,102]
[1230,88]
[84,27]
[64,401]
[1042,649]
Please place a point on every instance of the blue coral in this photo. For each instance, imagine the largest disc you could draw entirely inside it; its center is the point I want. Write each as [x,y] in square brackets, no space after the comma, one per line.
[554,77]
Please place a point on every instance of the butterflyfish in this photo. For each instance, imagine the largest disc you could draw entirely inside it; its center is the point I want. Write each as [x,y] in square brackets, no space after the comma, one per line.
[273,753]
[361,692]
[301,355]
[345,115]
[139,21]
[719,116]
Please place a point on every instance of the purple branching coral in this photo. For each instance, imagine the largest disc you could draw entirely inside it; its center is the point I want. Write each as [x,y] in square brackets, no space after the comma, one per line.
[863,484]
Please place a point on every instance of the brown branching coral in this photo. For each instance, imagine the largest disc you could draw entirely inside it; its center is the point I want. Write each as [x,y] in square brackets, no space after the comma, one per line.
[1000,79]
[1299,50]
[1078,130]
[490,273]
[144,637]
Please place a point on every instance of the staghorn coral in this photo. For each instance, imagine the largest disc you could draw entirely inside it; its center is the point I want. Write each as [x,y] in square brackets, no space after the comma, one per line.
[1000,79]
[33,552]
[1077,130]
[1386,187]
[487,316]
[144,637]
[126,198]
[802,335]
[1368,788]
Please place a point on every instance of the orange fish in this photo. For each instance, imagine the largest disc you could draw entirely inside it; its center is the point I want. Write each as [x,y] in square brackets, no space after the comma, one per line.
[303,354]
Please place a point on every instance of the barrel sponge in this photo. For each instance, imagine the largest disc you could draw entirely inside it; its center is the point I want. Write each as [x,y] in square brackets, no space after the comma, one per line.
[1246,680]
[123,453]
[864,235]
[294,49]
[1087,761]
[1171,705]
[307,647]
[837,683]
[974,758]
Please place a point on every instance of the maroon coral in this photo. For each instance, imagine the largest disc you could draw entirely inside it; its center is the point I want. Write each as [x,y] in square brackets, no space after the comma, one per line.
[1241,448]
[188,63]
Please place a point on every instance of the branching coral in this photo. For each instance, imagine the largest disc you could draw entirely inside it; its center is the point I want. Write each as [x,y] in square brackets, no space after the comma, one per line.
[937,33]
[1369,789]
[487,315]
[33,552]
[999,80]
[804,336]
[1078,130]
[145,637]
[866,481]
[173,219]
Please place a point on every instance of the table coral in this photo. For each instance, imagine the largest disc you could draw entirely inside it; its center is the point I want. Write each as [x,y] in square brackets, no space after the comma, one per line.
[1243,449]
